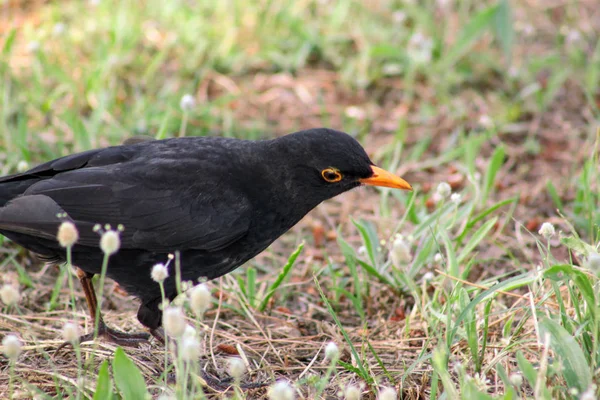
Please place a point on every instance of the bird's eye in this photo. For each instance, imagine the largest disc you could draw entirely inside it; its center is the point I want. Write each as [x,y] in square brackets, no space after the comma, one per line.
[331,175]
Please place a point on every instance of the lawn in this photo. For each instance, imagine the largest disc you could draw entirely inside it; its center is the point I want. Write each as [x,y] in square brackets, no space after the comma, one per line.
[482,283]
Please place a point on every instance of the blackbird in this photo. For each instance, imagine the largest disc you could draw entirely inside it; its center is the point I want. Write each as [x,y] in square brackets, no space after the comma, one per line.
[218,202]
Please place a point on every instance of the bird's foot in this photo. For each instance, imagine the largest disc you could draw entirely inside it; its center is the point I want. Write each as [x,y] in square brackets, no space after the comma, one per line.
[111,335]
[221,385]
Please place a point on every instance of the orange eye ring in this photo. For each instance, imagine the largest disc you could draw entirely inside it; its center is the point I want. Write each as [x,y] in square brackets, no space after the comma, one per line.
[331,175]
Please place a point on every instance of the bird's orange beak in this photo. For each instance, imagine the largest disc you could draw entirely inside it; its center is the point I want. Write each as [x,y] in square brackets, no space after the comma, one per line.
[381,177]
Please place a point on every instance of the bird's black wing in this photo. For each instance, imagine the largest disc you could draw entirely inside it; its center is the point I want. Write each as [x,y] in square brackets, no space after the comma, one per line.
[165,201]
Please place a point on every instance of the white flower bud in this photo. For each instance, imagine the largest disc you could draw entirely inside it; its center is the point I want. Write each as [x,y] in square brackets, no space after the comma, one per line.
[10,295]
[187,103]
[485,121]
[332,352]
[110,242]
[281,391]
[22,166]
[11,346]
[67,234]
[58,29]
[189,348]
[593,262]
[190,331]
[456,198]
[428,276]
[400,252]
[237,368]
[547,230]
[438,258]
[443,190]
[159,273]
[516,379]
[71,332]
[387,394]
[174,321]
[200,299]
[352,393]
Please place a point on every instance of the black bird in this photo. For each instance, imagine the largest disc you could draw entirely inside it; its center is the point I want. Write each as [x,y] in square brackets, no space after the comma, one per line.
[217,201]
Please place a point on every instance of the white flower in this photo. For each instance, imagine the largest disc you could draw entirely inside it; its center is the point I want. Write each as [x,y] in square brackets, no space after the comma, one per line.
[110,242]
[22,166]
[71,332]
[589,394]
[67,234]
[419,48]
[190,331]
[159,273]
[547,230]
[399,16]
[237,368]
[428,276]
[33,46]
[59,28]
[593,262]
[387,394]
[332,352]
[355,112]
[187,103]
[443,190]
[485,121]
[200,299]
[174,321]
[438,258]
[456,198]
[281,391]
[10,295]
[516,379]
[12,346]
[352,393]
[481,380]
[443,4]
[400,253]
[528,30]
[573,36]
[189,348]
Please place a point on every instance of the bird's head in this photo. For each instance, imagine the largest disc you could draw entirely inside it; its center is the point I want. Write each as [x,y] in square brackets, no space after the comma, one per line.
[326,162]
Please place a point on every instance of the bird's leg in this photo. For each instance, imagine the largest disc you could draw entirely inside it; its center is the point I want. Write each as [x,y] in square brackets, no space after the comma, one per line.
[103,330]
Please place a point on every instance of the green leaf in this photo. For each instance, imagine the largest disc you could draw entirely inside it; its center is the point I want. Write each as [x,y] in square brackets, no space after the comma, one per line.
[509,284]
[286,270]
[476,238]
[503,26]
[576,370]
[527,369]
[577,245]
[9,41]
[104,390]
[128,378]
[468,36]
[493,168]
[370,239]
[361,371]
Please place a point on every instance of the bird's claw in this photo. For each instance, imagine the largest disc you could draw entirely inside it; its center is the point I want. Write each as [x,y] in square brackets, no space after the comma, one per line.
[110,335]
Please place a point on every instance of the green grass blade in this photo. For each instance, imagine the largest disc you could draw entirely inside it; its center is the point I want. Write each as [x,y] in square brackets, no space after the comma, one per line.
[104,390]
[576,372]
[128,378]
[285,272]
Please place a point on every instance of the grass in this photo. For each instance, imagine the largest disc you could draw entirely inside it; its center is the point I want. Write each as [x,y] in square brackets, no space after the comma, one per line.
[435,297]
